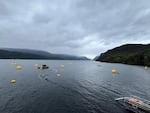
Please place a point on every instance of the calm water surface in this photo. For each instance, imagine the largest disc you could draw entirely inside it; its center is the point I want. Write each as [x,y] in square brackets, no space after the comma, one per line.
[83,87]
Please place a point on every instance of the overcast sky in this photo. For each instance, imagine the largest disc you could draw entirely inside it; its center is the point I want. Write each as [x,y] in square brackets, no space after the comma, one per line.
[77,27]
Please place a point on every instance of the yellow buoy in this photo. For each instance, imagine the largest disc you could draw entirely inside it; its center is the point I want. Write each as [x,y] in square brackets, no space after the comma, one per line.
[62,66]
[114,71]
[41,68]
[36,65]
[58,74]
[13,81]
[18,67]
[145,67]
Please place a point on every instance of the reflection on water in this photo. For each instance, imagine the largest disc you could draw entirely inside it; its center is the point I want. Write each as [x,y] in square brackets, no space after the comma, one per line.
[82,87]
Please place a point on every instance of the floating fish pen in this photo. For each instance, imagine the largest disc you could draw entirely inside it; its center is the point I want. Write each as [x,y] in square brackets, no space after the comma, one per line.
[135,104]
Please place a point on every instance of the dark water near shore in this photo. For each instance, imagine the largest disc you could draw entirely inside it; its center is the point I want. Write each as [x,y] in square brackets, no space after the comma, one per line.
[83,87]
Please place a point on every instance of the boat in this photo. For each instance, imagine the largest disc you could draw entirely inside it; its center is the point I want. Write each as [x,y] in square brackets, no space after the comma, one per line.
[135,104]
[43,67]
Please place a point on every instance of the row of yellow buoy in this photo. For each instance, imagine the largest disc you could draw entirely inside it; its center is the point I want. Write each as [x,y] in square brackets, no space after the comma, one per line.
[18,67]
[115,71]
[41,68]
[62,66]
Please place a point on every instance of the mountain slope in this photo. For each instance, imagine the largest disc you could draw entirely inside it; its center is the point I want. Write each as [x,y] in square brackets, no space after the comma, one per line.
[136,54]
[8,53]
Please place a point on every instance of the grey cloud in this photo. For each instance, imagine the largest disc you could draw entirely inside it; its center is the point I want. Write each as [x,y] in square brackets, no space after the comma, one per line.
[81,27]
[41,18]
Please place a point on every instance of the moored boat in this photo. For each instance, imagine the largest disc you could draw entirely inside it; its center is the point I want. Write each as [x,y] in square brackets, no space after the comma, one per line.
[135,104]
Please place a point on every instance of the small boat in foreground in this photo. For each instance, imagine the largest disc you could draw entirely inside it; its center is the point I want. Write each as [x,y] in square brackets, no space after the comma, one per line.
[135,104]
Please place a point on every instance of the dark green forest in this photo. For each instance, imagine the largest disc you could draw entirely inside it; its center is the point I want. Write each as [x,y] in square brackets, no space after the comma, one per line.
[135,54]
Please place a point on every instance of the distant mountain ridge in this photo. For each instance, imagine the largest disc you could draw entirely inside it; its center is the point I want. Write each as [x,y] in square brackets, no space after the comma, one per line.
[135,54]
[9,53]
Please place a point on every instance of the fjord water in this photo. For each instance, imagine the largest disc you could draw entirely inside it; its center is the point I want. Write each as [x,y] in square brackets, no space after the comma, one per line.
[83,87]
